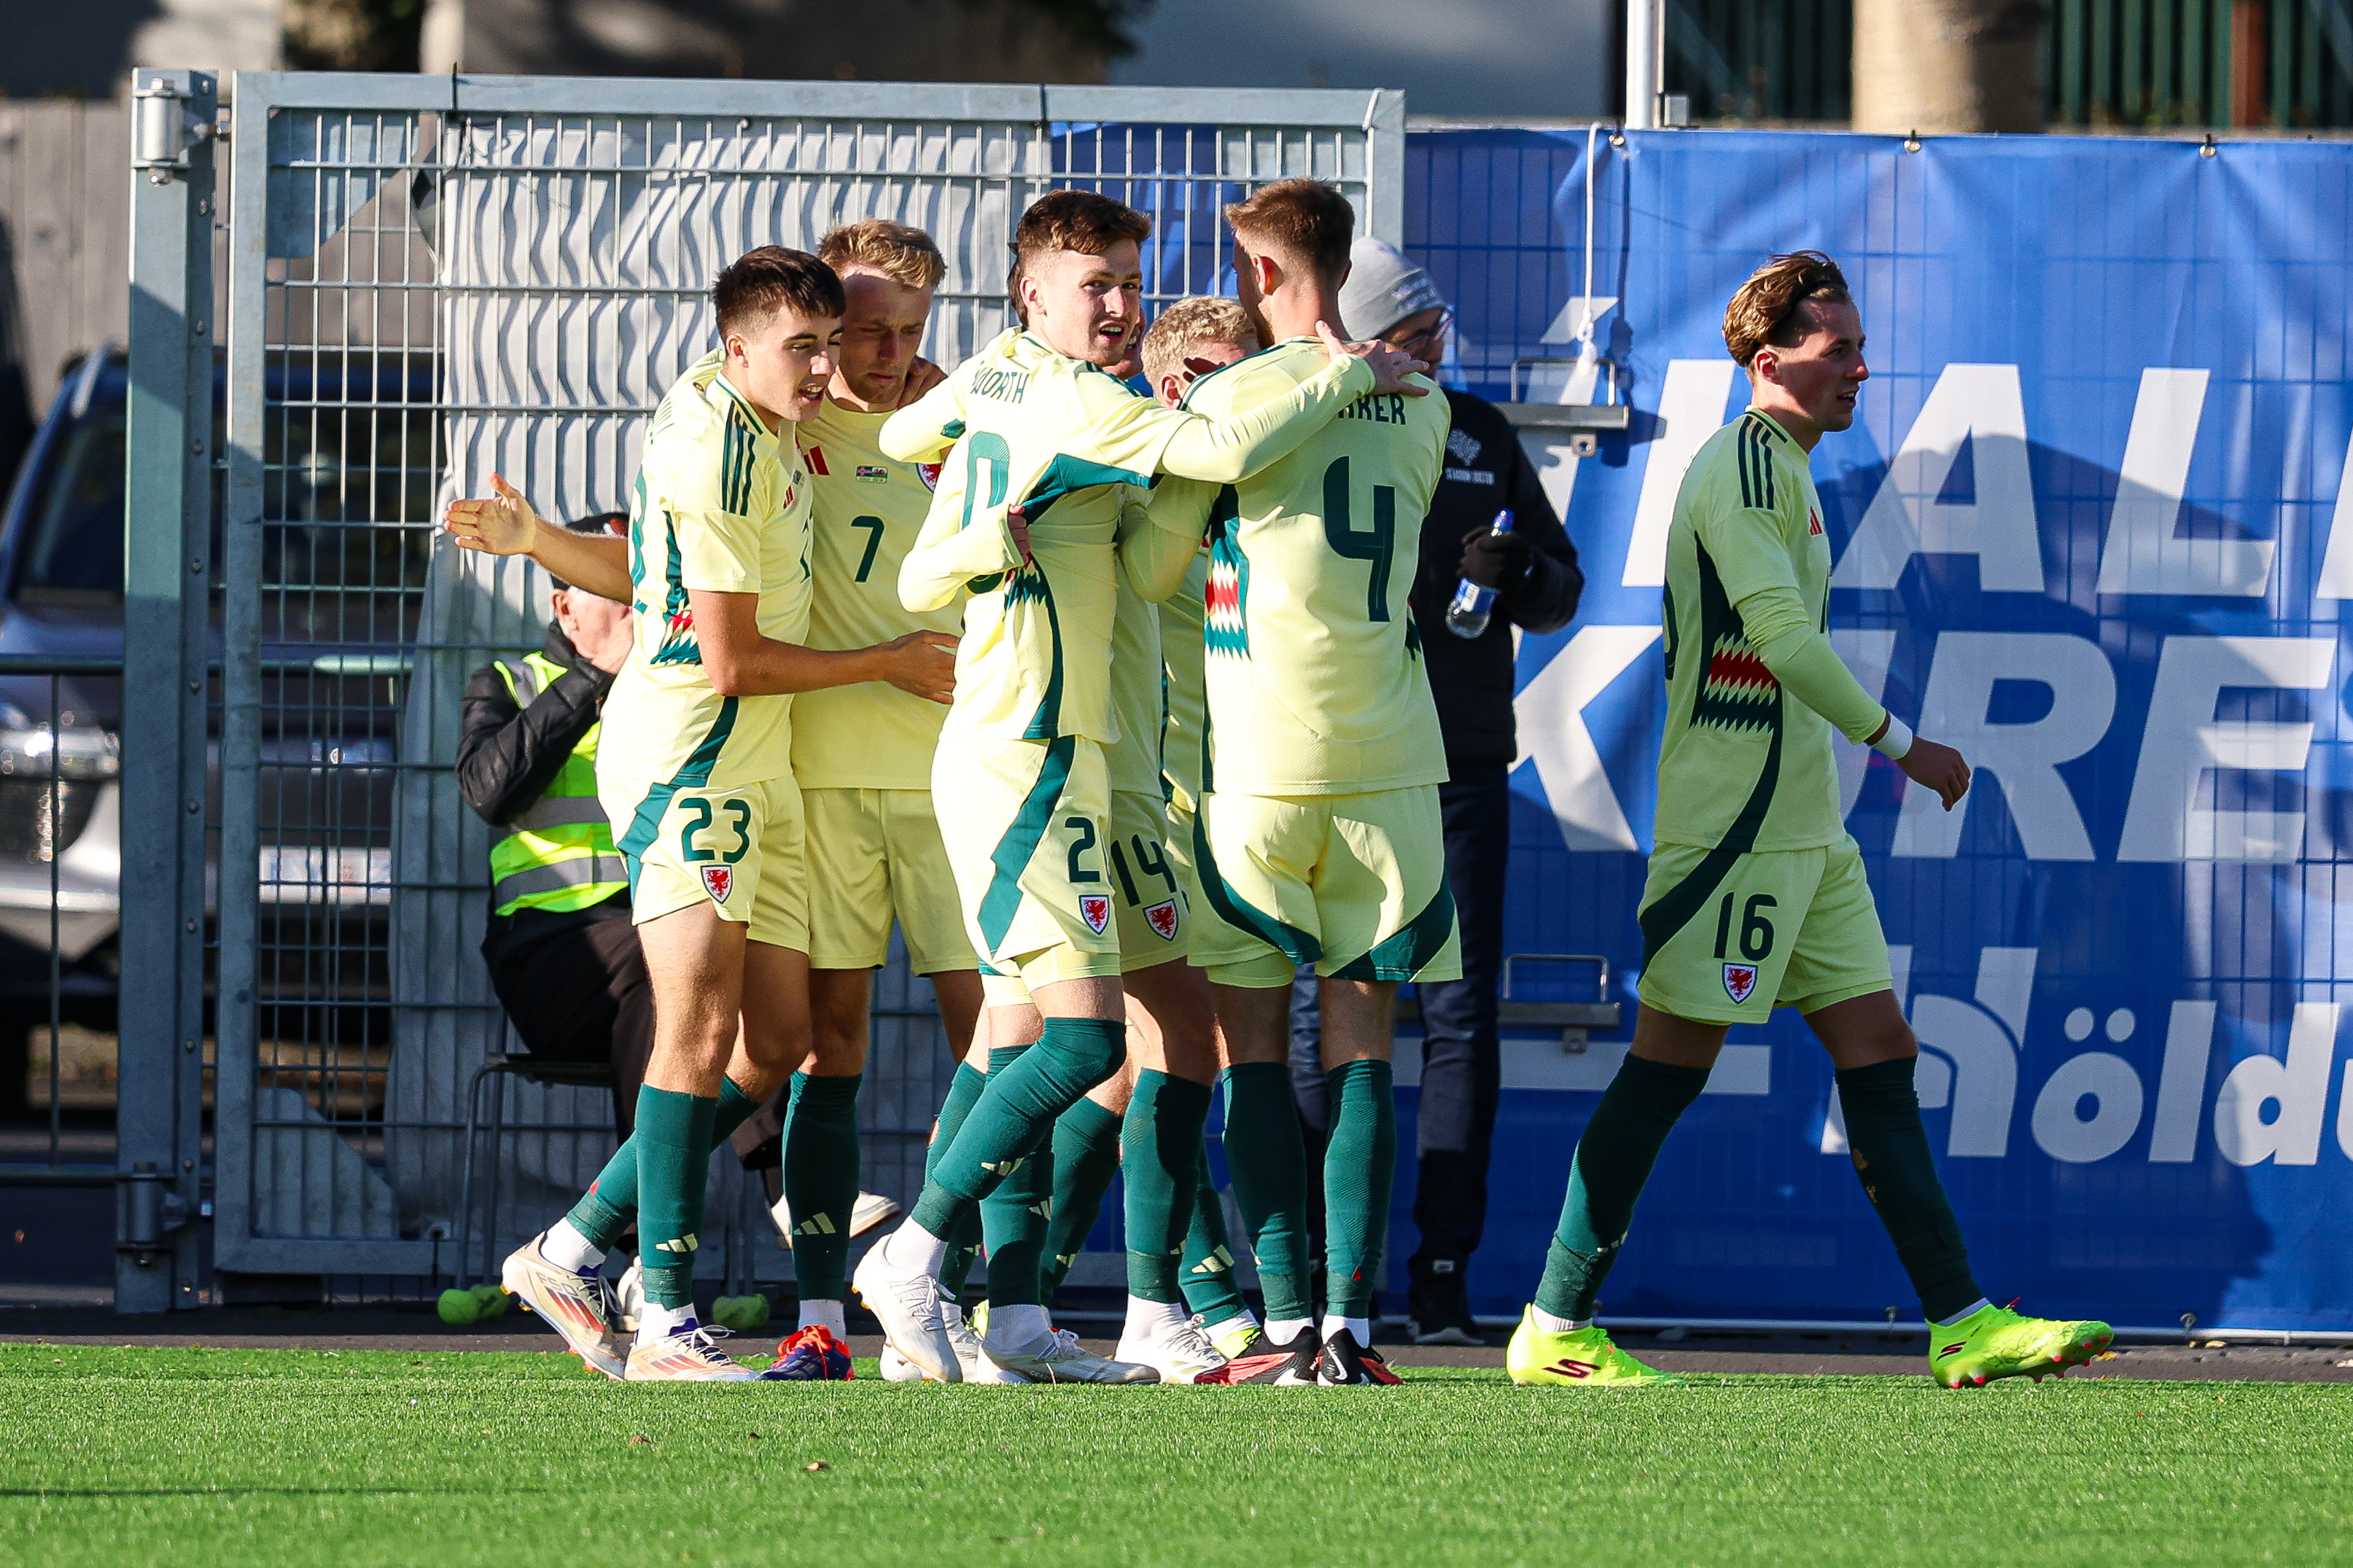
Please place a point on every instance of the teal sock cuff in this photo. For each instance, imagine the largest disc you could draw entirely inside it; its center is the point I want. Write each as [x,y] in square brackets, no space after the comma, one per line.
[735,1108]
[1088,1122]
[824,1093]
[1003,1057]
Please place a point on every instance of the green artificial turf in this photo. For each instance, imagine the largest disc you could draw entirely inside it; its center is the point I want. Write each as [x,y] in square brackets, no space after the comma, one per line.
[358,1457]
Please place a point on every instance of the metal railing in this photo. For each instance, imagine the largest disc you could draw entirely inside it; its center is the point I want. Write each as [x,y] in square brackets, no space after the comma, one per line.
[427,279]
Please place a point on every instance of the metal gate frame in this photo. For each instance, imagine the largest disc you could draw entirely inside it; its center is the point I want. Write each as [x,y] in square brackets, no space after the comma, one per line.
[172,473]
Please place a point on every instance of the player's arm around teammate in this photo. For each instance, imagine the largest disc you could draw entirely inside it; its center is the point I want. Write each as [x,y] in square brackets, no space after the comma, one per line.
[696,764]
[1757,895]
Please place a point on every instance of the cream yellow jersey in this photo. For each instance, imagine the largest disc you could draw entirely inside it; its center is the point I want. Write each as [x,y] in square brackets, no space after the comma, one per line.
[1187,705]
[867,510]
[1136,695]
[1021,425]
[1312,665]
[721,505]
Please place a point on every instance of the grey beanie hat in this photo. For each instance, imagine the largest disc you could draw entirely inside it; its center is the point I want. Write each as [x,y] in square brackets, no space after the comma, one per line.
[1384,287]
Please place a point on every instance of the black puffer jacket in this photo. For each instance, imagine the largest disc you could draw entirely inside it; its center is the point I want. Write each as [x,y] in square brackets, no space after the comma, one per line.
[1486,471]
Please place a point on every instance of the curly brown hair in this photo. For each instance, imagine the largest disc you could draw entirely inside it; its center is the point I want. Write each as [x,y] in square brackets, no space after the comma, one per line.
[1767,309]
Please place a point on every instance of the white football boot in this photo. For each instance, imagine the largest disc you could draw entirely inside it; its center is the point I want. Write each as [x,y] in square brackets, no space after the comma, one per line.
[1179,1351]
[971,1353]
[1058,1358]
[693,1356]
[580,1307]
[906,1301]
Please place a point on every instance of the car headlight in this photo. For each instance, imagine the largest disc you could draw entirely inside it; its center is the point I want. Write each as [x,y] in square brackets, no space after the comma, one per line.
[49,784]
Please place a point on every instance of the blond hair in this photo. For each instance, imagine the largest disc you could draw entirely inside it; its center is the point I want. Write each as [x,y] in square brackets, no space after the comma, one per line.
[900,253]
[1190,324]
[1768,308]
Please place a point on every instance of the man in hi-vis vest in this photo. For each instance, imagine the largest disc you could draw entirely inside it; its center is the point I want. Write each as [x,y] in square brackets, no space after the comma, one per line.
[563,956]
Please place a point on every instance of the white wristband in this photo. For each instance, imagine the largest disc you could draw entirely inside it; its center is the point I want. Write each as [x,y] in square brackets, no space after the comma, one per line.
[1896,742]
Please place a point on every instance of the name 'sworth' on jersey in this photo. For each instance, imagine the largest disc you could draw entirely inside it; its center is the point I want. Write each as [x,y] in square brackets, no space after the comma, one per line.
[1060,438]
[1744,763]
[866,512]
[721,505]
[1312,665]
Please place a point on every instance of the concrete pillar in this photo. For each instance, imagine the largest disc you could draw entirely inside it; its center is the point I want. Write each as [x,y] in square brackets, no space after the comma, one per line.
[1948,65]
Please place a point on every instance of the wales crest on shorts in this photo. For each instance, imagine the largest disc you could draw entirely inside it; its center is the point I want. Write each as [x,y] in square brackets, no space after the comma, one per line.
[1739,980]
[719,881]
[1096,910]
[1162,918]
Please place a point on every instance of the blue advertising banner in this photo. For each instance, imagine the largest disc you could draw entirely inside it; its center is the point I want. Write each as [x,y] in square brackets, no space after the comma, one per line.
[2094,527]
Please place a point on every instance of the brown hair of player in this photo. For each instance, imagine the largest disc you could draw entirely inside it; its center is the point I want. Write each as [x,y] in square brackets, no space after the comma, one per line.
[1301,221]
[1193,323]
[1770,308]
[759,283]
[1085,221]
[898,251]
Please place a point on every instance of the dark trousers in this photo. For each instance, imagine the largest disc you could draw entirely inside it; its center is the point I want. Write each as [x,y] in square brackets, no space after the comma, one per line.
[1461,1067]
[580,994]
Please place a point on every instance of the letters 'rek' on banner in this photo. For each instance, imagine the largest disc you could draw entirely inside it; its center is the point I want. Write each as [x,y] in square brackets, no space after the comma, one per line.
[2095,527]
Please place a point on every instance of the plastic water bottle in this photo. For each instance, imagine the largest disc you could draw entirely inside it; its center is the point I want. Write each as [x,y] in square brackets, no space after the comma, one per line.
[1473,605]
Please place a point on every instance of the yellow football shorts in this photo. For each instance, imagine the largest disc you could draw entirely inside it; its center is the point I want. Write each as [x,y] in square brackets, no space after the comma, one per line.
[1725,941]
[1211,942]
[1354,884]
[1025,824]
[1154,916]
[874,853]
[741,851]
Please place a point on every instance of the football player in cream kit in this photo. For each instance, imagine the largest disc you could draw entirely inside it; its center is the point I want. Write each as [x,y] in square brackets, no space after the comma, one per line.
[1043,449]
[863,757]
[695,773]
[1318,838]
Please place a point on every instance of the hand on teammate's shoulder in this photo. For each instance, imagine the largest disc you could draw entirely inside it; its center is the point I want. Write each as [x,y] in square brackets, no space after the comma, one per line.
[1390,366]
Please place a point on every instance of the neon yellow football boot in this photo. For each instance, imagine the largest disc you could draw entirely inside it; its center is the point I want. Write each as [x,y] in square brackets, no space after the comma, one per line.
[1995,1342]
[1584,1359]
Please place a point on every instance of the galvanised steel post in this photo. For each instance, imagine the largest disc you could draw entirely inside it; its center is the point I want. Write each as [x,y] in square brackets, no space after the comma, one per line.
[168,576]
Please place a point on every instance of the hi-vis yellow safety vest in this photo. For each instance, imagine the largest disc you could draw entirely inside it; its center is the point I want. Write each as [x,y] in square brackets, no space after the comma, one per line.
[558,856]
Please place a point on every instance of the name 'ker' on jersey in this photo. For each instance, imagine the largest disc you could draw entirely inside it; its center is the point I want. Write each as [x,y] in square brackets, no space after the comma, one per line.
[1313,664]
[1744,764]
[721,505]
[867,511]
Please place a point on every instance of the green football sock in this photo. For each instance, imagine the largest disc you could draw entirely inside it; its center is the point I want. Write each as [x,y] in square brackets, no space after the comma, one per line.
[1613,1159]
[1016,1211]
[821,1180]
[1016,1115]
[1359,1163]
[963,1244]
[1890,1148]
[1268,1158]
[1086,1158]
[674,1141]
[1162,1136]
[603,1213]
[1208,1280]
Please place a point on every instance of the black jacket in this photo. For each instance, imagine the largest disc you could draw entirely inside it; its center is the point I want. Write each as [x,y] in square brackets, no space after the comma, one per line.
[507,755]
[1486,471]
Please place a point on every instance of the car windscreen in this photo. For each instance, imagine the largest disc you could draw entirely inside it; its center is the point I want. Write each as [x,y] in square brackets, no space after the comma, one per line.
[73,543]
